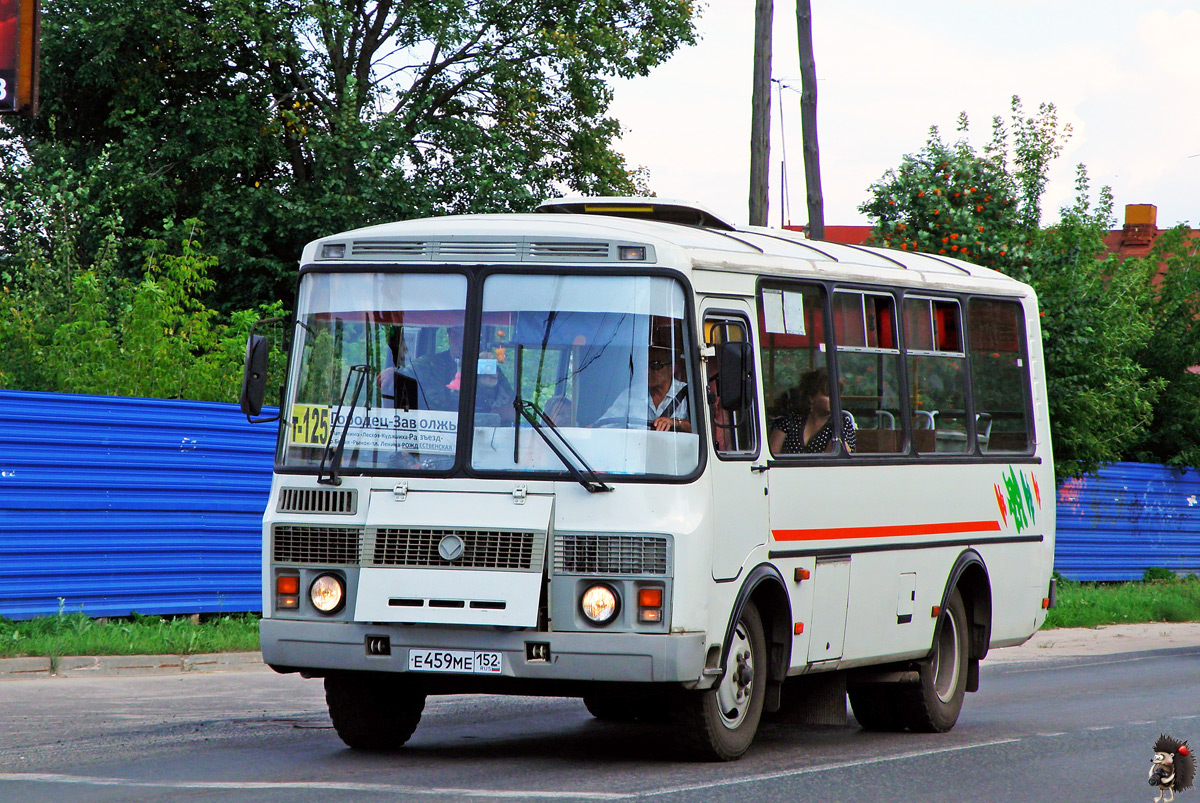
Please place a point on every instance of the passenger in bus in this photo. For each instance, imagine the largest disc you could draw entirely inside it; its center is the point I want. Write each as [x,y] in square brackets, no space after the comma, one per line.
[808,427]
[438,374]
[558,410]
[396,386]
[663,406]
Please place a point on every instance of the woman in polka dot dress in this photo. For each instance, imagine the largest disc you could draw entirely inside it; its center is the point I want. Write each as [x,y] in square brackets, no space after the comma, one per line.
[809,429]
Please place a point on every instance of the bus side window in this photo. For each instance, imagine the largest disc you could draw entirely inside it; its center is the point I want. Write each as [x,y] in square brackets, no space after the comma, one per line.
[999,375]
[734,432]
[794,353]
[937,376]
[868,366]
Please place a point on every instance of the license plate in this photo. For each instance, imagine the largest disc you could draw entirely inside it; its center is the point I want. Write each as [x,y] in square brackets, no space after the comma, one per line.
[463,661]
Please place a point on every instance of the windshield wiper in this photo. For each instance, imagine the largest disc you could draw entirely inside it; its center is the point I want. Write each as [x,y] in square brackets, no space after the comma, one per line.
[591,480]
[331,454]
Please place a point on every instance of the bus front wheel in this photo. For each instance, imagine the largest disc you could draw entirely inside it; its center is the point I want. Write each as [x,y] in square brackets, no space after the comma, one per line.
[720,723]
[373,712]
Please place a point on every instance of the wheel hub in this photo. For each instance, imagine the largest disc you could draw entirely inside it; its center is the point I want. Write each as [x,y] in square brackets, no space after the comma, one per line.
[737,686]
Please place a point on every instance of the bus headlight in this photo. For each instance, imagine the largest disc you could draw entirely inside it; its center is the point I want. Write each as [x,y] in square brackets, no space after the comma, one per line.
[599,604]
[327,593]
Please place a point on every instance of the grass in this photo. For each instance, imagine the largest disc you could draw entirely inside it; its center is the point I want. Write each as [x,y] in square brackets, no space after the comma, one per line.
[1160,598]
[1166,599]
[77,634]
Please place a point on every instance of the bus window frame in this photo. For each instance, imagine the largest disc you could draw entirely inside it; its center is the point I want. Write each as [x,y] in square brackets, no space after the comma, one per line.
[1028,454]
[719,314]
[840,455]
[909,456]
[963,354]
[476,276]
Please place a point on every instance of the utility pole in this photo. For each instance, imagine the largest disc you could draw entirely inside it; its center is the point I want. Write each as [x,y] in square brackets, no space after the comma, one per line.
[760,111]
[808,121]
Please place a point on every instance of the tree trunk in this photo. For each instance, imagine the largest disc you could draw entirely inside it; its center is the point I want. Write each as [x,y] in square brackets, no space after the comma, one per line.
[808,121]
[760,111]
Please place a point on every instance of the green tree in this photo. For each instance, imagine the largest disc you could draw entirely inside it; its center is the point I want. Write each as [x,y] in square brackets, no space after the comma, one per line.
[985,207]
[105,334]
[949,199]
[1096,322]
[1173,351]
[276,121]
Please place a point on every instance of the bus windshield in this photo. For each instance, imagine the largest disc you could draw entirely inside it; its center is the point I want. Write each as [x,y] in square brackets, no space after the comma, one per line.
[384,360]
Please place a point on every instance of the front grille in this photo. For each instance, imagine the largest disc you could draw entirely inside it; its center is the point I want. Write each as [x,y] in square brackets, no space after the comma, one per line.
[318,500]
[482,549]
[610,554]
[316,545]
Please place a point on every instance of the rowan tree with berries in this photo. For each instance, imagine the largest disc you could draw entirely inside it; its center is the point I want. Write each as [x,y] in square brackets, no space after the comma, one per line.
[985,207]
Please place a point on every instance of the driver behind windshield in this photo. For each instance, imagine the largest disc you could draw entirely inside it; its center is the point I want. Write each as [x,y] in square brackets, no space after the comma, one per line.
[662,405]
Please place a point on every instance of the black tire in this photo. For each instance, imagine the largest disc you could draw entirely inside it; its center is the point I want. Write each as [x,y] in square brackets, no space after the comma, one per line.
[876,706]
[628,705]
[932,705]
[719,724]
[611,708]
[373,712]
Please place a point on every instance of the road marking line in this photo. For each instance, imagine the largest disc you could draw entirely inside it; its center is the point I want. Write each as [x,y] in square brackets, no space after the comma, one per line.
[1059,733]
[770,776]
[396,789]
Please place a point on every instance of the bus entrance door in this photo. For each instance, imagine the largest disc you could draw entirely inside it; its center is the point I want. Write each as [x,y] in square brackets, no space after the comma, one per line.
[738,470]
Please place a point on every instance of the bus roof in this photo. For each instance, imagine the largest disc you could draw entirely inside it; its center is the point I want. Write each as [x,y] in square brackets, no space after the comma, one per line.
[594,231]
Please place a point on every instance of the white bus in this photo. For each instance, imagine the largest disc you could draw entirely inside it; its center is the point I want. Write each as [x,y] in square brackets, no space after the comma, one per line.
[688,471]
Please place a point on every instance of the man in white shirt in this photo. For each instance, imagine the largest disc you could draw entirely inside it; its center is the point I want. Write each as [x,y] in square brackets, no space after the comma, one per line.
[662,406]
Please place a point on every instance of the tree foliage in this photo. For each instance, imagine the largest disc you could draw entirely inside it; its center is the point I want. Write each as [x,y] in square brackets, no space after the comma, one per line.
[985,207]
[77,330]
[1172,352]
[276,121]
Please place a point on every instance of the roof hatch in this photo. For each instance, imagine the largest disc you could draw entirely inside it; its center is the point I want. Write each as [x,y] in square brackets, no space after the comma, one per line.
[665,210]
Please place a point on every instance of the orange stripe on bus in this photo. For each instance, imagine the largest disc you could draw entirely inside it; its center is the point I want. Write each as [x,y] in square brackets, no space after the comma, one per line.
[886,531]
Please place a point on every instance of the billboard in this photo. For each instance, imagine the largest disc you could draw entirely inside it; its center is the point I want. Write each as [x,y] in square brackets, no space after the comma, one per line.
[18,56]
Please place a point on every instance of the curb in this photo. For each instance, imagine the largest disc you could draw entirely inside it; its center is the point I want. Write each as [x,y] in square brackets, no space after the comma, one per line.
[78,666]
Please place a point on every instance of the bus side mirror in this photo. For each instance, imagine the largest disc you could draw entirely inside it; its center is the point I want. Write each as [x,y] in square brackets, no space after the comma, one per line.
[735,368]
[254,375]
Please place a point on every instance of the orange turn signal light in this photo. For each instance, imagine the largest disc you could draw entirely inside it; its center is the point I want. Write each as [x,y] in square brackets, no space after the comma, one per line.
[649,597]
[650,602]
[287,584]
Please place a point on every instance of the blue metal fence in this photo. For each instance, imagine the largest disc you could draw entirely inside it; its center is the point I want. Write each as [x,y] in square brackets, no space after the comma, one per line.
[1127,518]
[114,505]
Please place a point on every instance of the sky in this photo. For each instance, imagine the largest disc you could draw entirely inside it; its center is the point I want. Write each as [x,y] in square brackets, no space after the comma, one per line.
[1124,74]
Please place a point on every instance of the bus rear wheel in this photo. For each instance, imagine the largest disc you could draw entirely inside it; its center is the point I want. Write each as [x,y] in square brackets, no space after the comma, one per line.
[934,703]
[876,707]
[720,723]
[373,712]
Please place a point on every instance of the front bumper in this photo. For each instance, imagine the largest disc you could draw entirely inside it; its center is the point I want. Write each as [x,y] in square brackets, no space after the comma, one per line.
[320,647]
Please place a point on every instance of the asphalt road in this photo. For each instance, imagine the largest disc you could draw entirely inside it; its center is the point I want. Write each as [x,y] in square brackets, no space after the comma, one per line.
[1063,729]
